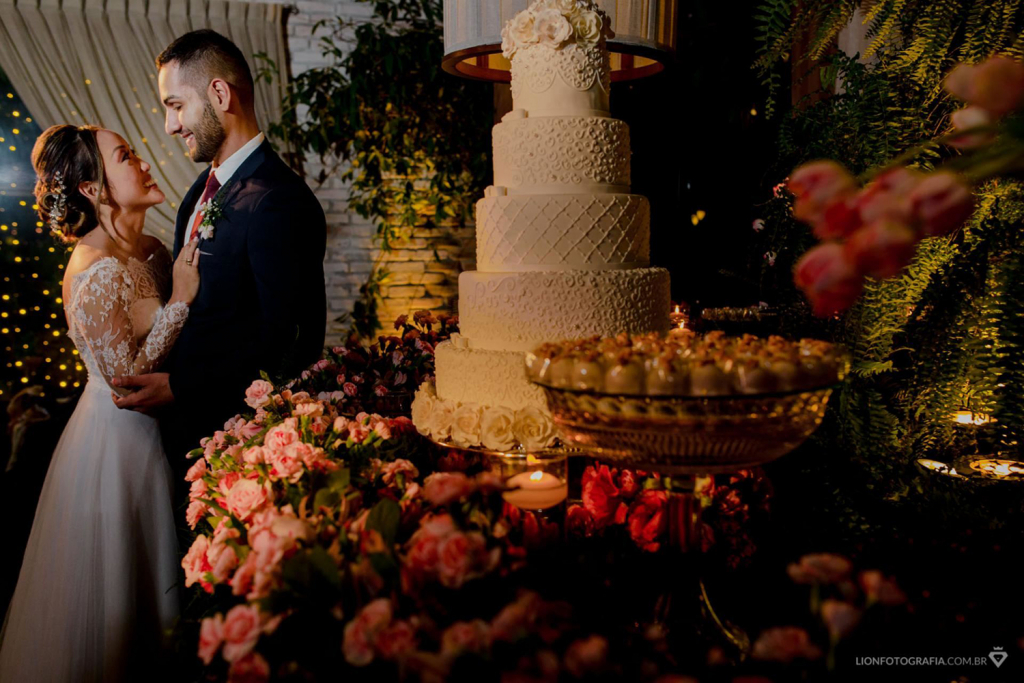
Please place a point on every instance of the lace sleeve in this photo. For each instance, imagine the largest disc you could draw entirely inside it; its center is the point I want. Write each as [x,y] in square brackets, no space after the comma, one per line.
[100,314]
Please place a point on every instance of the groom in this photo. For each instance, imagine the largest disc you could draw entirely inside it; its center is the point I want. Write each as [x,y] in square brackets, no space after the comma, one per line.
[261,302]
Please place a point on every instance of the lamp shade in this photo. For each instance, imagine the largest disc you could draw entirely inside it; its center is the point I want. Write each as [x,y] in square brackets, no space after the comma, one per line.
[644,42]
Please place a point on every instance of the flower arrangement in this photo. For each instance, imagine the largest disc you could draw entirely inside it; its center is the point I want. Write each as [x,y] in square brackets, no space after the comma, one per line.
[556,24]
[469,425]
[380,377]
[873,231]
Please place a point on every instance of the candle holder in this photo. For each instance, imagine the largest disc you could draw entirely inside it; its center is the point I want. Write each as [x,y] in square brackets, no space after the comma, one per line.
[994,467]
[680,316]
[538,482]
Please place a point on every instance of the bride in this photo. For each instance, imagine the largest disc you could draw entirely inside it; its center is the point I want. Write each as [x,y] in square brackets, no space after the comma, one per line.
[97,585]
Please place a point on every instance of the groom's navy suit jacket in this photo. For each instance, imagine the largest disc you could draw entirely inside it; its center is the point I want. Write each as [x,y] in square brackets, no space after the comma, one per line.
[261,303]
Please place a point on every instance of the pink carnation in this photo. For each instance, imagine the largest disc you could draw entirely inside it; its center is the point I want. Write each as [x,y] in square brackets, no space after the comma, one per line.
[211,635]
[195,563]
[258,394]
[241,631]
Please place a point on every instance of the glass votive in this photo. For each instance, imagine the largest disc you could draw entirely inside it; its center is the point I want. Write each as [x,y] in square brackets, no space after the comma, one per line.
[536,481]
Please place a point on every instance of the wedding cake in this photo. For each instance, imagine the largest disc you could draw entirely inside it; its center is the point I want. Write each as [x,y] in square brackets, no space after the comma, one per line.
[563,248]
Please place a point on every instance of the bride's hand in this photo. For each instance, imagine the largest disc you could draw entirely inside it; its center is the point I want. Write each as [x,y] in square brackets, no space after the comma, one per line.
[186,274]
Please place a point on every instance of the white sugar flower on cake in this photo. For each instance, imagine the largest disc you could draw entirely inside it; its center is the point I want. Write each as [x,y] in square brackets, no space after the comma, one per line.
[556,24]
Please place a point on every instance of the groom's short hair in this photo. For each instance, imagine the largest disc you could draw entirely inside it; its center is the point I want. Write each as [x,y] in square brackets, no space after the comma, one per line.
[204,55]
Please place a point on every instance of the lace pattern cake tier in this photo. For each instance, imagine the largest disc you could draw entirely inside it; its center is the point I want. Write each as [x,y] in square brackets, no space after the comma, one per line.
[554,154]
[561,82]
[520,311]
[488,377]
[562,232]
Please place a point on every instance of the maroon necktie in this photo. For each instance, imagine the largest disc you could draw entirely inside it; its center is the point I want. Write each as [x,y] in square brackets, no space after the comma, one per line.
[212,185]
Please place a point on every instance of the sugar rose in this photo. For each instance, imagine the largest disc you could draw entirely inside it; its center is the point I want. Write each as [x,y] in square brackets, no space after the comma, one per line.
[496,428]
[441,420]
[553,29]
[422,409]
[533,428]
[522,29]
[466,425]
[588,27]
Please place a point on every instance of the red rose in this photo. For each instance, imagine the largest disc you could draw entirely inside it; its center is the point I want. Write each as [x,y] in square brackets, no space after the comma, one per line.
[600,494]
[629,484]
[396,640]
[647,521]
[579,522]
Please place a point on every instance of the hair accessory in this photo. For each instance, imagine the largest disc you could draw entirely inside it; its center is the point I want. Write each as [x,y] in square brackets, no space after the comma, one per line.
[57,201]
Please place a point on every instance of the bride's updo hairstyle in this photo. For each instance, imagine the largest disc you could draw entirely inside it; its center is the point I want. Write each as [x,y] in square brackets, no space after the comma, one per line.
[64,157]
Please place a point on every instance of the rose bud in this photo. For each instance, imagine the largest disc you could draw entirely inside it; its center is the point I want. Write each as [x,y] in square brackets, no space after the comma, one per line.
[966,119]
[940,204]
[882,248]
[828,279]
[996,84]
[816,185]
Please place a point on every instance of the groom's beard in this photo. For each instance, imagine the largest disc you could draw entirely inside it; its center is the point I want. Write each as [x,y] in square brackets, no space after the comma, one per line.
[209,136]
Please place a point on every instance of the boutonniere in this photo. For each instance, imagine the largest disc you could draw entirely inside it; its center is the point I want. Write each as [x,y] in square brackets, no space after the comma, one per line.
[213,211]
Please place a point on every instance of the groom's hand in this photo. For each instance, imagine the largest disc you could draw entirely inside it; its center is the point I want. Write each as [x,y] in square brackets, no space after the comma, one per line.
[149,392]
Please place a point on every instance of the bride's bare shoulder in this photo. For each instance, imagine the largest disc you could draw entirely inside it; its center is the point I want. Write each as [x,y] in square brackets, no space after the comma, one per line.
[151,245]
[83,257]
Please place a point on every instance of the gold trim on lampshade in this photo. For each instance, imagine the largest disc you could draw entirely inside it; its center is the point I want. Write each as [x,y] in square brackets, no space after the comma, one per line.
[644,43]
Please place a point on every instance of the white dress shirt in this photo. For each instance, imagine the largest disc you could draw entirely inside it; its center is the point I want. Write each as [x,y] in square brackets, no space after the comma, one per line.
[225,171]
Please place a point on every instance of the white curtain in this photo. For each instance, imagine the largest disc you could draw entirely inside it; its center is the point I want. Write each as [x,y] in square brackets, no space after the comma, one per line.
[92,61]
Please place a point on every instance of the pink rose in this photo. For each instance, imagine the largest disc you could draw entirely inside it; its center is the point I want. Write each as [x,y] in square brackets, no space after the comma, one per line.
[198,489]
[997,84]
[816,185]
[245,498]
[784,644]
[241,631]
[820,568]
[396,640]
[280,436]
[361,633]
[443,488]
[881,249]
[195,512]
[380,390]
[321,365]
[966,119]
[466,636]
[211,635]
[196,471]
[840,618]
[350,389]
[941,203]
[392,470]
[258,394]
[195,563]
[252,668]
[878,588]
[828,279]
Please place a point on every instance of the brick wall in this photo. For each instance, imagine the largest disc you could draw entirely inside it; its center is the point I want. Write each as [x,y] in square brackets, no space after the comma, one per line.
[425,267]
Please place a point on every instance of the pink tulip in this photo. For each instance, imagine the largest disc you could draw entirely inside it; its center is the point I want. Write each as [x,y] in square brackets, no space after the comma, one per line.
[828,279]
[886,195]
[816,185]
[940,204]
[840,618]
[996,84]
[966,119]
[882,248]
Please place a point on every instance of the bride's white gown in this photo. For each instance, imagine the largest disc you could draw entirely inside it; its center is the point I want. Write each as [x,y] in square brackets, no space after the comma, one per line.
[98,582]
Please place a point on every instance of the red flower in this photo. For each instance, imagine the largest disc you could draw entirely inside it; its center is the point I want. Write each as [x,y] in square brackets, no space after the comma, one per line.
[880,589]
[882,248]
[443,488]
[629,485]
[647,520]
[784,644]
[601,497]
[579,522]
[828,279]
[941,203]
[820,568]
[396,640]
[817,185]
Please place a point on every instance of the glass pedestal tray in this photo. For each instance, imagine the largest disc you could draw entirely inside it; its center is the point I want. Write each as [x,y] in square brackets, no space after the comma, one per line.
[682,438]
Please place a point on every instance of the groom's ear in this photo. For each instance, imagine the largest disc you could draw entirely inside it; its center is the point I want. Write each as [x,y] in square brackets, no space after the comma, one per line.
[220,94]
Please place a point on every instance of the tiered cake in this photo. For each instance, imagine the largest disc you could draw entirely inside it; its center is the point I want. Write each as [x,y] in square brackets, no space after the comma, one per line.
[562,247]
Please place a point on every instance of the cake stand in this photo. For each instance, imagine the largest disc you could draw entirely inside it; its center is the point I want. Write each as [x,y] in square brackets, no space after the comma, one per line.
[682,438]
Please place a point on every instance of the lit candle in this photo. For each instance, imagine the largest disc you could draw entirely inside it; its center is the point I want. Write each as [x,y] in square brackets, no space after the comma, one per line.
[969,417]
[536,490]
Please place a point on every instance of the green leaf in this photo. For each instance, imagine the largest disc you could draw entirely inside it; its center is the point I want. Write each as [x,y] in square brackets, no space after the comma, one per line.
[384,518]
